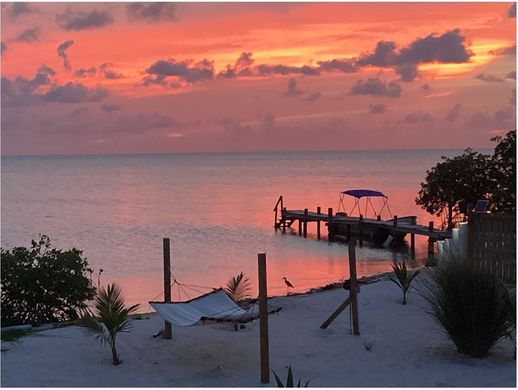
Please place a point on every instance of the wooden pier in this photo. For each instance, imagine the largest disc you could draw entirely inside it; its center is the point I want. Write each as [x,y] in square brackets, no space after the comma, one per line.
[343,228]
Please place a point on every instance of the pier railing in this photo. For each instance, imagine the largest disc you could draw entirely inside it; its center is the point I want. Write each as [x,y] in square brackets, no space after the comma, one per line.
[280,203]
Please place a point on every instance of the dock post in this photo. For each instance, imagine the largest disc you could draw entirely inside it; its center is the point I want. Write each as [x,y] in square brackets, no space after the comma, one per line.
[378,217]
[318,224]
[412,245]
[263,319]
[395,221]
[360,228]
[305,225]
[168,328]
[431,260]
[330,229]
[348,232]
[284,219]
[300,227]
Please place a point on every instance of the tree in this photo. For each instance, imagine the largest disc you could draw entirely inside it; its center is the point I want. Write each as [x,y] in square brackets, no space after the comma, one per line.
[238,288]
[503,173]
[465,178]
[42,284]
[111,317]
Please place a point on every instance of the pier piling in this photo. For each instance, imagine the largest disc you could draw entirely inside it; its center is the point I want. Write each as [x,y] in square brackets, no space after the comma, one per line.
[305,224]
[168,328]
[318,224]
[412,245]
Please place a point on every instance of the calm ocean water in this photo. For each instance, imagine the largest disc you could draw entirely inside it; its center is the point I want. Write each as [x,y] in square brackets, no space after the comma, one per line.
[216,208]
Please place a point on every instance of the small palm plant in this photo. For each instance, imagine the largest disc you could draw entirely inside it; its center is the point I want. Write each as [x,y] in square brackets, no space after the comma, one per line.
[289,380]
[238,288]
[403,278]
[110,317]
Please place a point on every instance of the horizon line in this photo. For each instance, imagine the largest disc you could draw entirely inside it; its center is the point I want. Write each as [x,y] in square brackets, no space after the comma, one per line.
[239,152]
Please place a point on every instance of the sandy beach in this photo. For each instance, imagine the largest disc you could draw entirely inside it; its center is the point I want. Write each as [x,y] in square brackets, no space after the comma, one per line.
[407,348]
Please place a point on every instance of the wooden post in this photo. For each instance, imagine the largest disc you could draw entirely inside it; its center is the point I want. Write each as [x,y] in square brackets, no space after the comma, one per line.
[300,227]
[168,329]
[431,259]
[275,220]
[348,232]
[305,226]
[395,220]
[263,319]
[284,219]
[330,228]
[354,286]
[360,228]
[412,245]
[378,217]
[318,224]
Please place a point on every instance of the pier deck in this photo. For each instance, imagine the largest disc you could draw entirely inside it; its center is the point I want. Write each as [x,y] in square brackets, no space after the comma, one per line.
[299,215]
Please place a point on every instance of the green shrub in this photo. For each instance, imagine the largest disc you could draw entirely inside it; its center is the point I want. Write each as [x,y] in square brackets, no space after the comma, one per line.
[403,278]
[41,284]
[289,380]
[471,305]
[110,317]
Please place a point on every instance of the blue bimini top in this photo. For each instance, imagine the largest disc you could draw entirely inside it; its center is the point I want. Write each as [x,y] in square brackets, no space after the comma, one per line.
[362,193]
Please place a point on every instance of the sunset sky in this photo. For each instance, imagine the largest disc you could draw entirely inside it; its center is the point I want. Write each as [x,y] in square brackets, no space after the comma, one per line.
[186,77]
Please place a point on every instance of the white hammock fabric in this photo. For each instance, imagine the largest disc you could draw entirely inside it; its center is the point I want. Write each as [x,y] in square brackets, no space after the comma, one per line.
[215,306]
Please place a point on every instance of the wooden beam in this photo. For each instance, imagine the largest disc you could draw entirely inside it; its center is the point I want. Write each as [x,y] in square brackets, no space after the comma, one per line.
[263,319]
[412,245]
[305,224]
[318,224]
[168,328]
[354,287]
[336,313]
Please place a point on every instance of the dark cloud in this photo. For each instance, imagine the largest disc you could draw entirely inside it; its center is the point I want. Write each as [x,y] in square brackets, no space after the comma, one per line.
[377,108]
[292,89]
[376,87]
[511,75]
[62,52]
[72,20]
[504,51]
[108,73]
[4,48]
[501,119]
[338,65]
[511,12]
[384,55]
[488,78]
[407,72]
[242,67]
[29,36]
[454,114]
[418,117]
[74,93]
[313,96]
[17,9]
[446,48]
[110,107]
[187,71]
[151,12]
[285,70]
[23,92]
[86,72]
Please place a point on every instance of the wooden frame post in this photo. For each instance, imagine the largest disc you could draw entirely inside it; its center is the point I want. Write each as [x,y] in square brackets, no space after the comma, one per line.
[284,219]
[412,245]
[354,287]
[431,257]
[352,300]
[330,228]
[318,224]
[360,228]
[305,225]
[168,328]
[263,319]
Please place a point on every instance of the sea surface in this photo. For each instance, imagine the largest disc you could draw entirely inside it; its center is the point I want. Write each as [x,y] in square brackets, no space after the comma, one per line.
[217,209]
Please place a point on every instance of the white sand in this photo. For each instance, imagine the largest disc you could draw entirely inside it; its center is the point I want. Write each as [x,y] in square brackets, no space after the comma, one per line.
[408,349]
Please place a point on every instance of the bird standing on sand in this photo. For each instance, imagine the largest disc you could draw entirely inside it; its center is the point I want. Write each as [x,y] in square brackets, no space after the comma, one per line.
[288,285]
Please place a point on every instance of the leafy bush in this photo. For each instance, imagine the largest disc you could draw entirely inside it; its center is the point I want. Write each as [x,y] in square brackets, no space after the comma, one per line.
[403,278]
[110,317]
[42,284]
[471,305]
[238,288]
[289,380]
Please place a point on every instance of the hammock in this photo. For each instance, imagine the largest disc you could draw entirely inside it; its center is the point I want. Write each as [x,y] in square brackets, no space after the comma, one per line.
[216,306]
